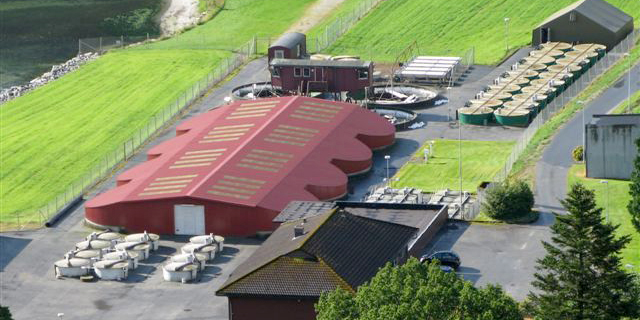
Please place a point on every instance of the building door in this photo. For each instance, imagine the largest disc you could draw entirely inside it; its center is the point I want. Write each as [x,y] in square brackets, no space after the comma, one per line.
[545,35]
[188,219]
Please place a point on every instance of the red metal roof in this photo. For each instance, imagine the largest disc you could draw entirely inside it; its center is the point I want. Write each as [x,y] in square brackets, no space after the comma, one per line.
[263,153]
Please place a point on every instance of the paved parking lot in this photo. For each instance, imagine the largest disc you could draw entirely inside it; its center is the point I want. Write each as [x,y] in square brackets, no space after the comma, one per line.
[500,253]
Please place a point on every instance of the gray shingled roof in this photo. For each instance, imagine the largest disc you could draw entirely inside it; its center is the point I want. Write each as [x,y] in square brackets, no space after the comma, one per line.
[338,249]
[289,40]
[600,11]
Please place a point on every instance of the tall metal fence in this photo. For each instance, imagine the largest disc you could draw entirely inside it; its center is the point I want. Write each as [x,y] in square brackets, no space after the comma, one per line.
[158,121]
[560,102]
[103,44]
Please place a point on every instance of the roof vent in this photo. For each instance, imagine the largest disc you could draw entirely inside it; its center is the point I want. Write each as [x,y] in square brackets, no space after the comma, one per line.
[298,231]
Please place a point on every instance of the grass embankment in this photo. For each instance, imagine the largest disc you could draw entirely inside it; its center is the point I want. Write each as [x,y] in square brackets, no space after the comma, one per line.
[52,136]
[524,167]
[443,27]
[617,206]
[347,7]
[481,160]
[37,33]
[624,106]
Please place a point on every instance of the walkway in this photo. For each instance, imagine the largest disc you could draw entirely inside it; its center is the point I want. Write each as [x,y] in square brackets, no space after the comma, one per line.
[552,168]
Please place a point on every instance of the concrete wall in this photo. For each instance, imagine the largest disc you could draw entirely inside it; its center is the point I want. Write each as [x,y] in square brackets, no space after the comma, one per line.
[610,150]
[438,221]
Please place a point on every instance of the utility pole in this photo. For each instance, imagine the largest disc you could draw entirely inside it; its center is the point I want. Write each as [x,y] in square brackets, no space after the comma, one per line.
[506,33]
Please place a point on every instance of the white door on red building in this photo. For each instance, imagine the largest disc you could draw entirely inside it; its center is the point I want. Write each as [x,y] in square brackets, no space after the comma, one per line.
[188,219]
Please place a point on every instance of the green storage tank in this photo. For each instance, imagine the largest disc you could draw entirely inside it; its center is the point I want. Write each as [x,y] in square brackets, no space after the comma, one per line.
[475,115]
[512,117]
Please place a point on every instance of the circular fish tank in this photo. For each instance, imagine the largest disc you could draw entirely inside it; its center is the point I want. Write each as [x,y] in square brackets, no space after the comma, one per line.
[255,90]
[400,96]
[398,117]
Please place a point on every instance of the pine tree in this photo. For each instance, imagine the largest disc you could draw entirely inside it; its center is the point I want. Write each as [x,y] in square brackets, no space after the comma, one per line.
[634,190]
[581,276]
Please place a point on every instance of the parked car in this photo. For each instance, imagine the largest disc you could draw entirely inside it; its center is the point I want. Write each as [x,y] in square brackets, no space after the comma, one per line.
[446,269]
[446,258]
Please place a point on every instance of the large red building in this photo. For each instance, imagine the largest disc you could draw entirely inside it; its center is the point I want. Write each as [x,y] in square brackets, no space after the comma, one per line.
[231,170]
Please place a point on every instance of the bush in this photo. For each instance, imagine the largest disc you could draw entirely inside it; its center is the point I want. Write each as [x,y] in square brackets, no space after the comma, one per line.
[578,154]
[509,200]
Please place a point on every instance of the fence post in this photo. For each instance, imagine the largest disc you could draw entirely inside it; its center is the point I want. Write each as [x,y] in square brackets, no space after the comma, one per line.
[100,45]
[122,41]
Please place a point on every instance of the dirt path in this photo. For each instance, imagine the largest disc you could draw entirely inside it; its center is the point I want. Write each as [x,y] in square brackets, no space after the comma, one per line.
[314,15]
[179,15]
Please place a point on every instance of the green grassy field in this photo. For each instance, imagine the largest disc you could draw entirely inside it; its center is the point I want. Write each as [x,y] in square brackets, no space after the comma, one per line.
[345,8]
[443,27]
[52,136]
[624,106]
[481,160]
[617,205]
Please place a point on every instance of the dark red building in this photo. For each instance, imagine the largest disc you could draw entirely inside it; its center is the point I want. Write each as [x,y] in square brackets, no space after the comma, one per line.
[302,75]
[292,45]
[284,278]
[231,170]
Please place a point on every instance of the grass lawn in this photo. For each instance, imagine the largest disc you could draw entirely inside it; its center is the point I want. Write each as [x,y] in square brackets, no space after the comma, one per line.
[443,27]
[624,106]
[618,199]
[347,7]
[53,135]
[481,160]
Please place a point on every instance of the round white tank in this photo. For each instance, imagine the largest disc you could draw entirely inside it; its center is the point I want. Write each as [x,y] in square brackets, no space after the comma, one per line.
[197,258]
[179,271]
[130,256]
[209,250]
[141,248]
[72,267]
[152,238]
[112,269]
[209,239]
[93,244]
[86,254]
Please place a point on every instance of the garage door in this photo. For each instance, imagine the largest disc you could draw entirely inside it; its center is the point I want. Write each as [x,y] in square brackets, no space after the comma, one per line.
[188,219]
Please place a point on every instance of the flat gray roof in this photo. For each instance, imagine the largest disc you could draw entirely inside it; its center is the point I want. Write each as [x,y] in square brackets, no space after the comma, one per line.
[616,119]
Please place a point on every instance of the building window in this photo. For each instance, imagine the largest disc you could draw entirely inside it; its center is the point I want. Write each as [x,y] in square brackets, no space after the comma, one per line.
[296,72]
[276,72]
[306,72]
[363,74]
[278,54]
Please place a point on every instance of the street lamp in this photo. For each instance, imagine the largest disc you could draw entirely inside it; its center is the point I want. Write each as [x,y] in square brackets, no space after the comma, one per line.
[387,157]
[584,139]
[448,104]
[626,55]
[460,159]
[607,187]
[506,33]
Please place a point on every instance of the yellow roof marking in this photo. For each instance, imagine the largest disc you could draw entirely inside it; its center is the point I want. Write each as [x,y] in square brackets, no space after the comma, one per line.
[227,194]
[190,165]
[204,151]
[177,177]
[244,165]
[244,179]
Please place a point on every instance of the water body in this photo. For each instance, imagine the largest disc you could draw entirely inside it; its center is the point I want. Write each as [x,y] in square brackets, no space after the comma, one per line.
[36,34]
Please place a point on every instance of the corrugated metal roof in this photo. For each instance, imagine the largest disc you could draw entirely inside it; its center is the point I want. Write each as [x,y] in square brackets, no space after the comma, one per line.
[600,11]
[321,63]
[290,40]
[352,247]
[259,152]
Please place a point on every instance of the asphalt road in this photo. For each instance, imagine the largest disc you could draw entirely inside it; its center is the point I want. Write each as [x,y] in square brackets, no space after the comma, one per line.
[552,169]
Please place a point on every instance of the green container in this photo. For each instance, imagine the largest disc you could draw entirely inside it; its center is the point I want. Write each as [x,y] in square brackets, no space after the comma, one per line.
[512,117]
[523,72]
[477,116]
[556,46]
[489,103]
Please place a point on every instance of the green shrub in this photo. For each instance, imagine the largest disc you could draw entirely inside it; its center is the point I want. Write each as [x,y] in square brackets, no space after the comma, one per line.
[578,154]
[509,200]
[136,22]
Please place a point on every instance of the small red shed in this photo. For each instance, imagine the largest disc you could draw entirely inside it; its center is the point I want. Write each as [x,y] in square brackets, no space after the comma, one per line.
[292,45]
[301,75]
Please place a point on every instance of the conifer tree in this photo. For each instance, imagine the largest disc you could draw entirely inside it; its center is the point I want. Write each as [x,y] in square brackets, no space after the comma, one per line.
[634,190]
[581,276]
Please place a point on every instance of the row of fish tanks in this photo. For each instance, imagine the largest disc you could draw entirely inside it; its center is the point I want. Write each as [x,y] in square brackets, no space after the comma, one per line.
[515,98]
[396,103]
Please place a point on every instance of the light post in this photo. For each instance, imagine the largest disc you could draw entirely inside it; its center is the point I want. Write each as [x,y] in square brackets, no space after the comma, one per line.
[607,188]
[460,160]
[626,55]
[584,139]
[506,33]
[448,104]
[387,157]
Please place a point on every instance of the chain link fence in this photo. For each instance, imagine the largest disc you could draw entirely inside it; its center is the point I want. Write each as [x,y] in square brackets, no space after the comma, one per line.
[103,44]
[602,65]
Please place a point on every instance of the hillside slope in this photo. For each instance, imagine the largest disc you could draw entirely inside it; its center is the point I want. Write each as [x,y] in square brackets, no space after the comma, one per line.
[443,27]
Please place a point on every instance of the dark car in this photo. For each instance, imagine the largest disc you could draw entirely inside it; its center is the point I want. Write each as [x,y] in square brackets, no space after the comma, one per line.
[446,258]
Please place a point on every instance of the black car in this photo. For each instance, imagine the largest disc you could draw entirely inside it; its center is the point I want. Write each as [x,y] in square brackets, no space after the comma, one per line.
[446,258]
